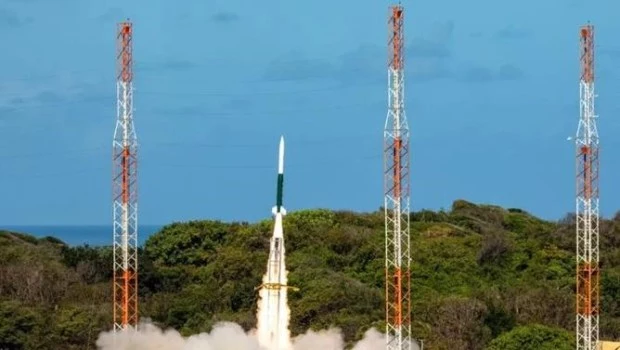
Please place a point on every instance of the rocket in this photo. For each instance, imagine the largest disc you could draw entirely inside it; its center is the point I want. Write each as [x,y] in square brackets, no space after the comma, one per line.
[273,317]
[276,274]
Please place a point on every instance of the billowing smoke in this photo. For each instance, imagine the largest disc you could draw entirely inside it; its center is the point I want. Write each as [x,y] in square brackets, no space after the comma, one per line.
[227,336]
[223,336]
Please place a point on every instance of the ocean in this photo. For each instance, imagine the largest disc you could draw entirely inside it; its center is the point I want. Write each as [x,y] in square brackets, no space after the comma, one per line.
[93,235]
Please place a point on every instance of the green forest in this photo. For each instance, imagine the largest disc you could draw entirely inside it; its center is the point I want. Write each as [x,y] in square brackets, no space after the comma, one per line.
[483,277]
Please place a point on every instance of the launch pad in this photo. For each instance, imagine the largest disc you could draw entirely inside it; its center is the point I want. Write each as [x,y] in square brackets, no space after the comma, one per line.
[276,286]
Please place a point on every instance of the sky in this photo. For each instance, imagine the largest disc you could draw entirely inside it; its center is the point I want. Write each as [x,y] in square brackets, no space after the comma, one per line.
[492,91]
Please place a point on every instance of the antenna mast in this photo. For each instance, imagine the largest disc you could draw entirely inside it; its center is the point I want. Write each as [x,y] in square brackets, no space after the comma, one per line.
[587,230]
[396,187]
[124,189]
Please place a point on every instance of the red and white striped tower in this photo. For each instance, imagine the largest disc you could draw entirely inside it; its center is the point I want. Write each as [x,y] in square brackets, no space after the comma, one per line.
[396,186]
[124,189]
[587,145]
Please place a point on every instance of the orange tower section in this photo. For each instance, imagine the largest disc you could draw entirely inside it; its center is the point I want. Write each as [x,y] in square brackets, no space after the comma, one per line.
[124,181]
[396,188]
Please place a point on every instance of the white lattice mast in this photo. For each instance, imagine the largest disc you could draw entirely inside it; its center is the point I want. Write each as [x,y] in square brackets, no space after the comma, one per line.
[396,182]
[124,189]
[587,146]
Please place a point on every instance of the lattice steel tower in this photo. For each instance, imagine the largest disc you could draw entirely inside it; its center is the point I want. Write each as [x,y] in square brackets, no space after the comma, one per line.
[396,186]
[124,189]
[587,146]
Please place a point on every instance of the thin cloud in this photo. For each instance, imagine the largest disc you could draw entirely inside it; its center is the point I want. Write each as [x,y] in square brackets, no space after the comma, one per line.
[237,104]
[423,70]
[366,63]
[429,57]
[183,111]
[112,14]
[436,44]
[10,19]
[427,48]
[48,97]
[473,73]
[510,72]
[511,32]
[612,52]
[295,66]
[177,65]
[225,17]
[168,65]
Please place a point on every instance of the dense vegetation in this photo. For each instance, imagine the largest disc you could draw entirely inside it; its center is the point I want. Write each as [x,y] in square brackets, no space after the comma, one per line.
[483,278]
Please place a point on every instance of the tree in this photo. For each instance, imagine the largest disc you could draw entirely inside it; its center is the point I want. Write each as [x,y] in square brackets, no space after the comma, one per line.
[534,337]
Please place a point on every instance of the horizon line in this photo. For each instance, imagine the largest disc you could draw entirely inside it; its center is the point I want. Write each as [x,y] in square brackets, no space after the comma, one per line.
[71,225]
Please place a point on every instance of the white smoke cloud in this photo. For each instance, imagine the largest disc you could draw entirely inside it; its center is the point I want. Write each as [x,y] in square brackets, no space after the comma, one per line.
[372,340]
[330,339]
[224,336]
[228,336]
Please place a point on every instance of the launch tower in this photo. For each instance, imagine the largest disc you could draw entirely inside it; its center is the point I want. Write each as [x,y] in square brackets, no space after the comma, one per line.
[396,187]
[587,221]
[125,205]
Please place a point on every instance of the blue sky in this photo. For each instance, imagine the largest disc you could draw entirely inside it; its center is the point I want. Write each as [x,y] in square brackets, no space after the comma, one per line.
[491,96]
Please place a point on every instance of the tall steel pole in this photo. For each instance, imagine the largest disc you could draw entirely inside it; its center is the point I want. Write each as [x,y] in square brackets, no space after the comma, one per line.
[587,230]
[124,189]
[396,187]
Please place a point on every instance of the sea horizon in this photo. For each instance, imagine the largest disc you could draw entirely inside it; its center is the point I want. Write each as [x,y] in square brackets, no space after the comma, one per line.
[75,235]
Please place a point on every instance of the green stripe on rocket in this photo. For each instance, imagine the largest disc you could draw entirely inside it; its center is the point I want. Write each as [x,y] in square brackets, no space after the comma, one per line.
[279,192]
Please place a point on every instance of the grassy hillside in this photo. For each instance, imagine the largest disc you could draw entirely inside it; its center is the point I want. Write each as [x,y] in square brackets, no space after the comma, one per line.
[483,278]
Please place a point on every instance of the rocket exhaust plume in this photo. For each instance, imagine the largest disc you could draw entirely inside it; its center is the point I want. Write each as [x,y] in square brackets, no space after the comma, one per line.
[273,312]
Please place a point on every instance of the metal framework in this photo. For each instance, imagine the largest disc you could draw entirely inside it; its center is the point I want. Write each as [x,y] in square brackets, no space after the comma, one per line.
[587,223]
[124,189]
[396,187]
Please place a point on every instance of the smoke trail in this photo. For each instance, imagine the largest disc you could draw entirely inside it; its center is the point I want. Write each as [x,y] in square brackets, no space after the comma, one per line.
[228,336]
[273,313]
